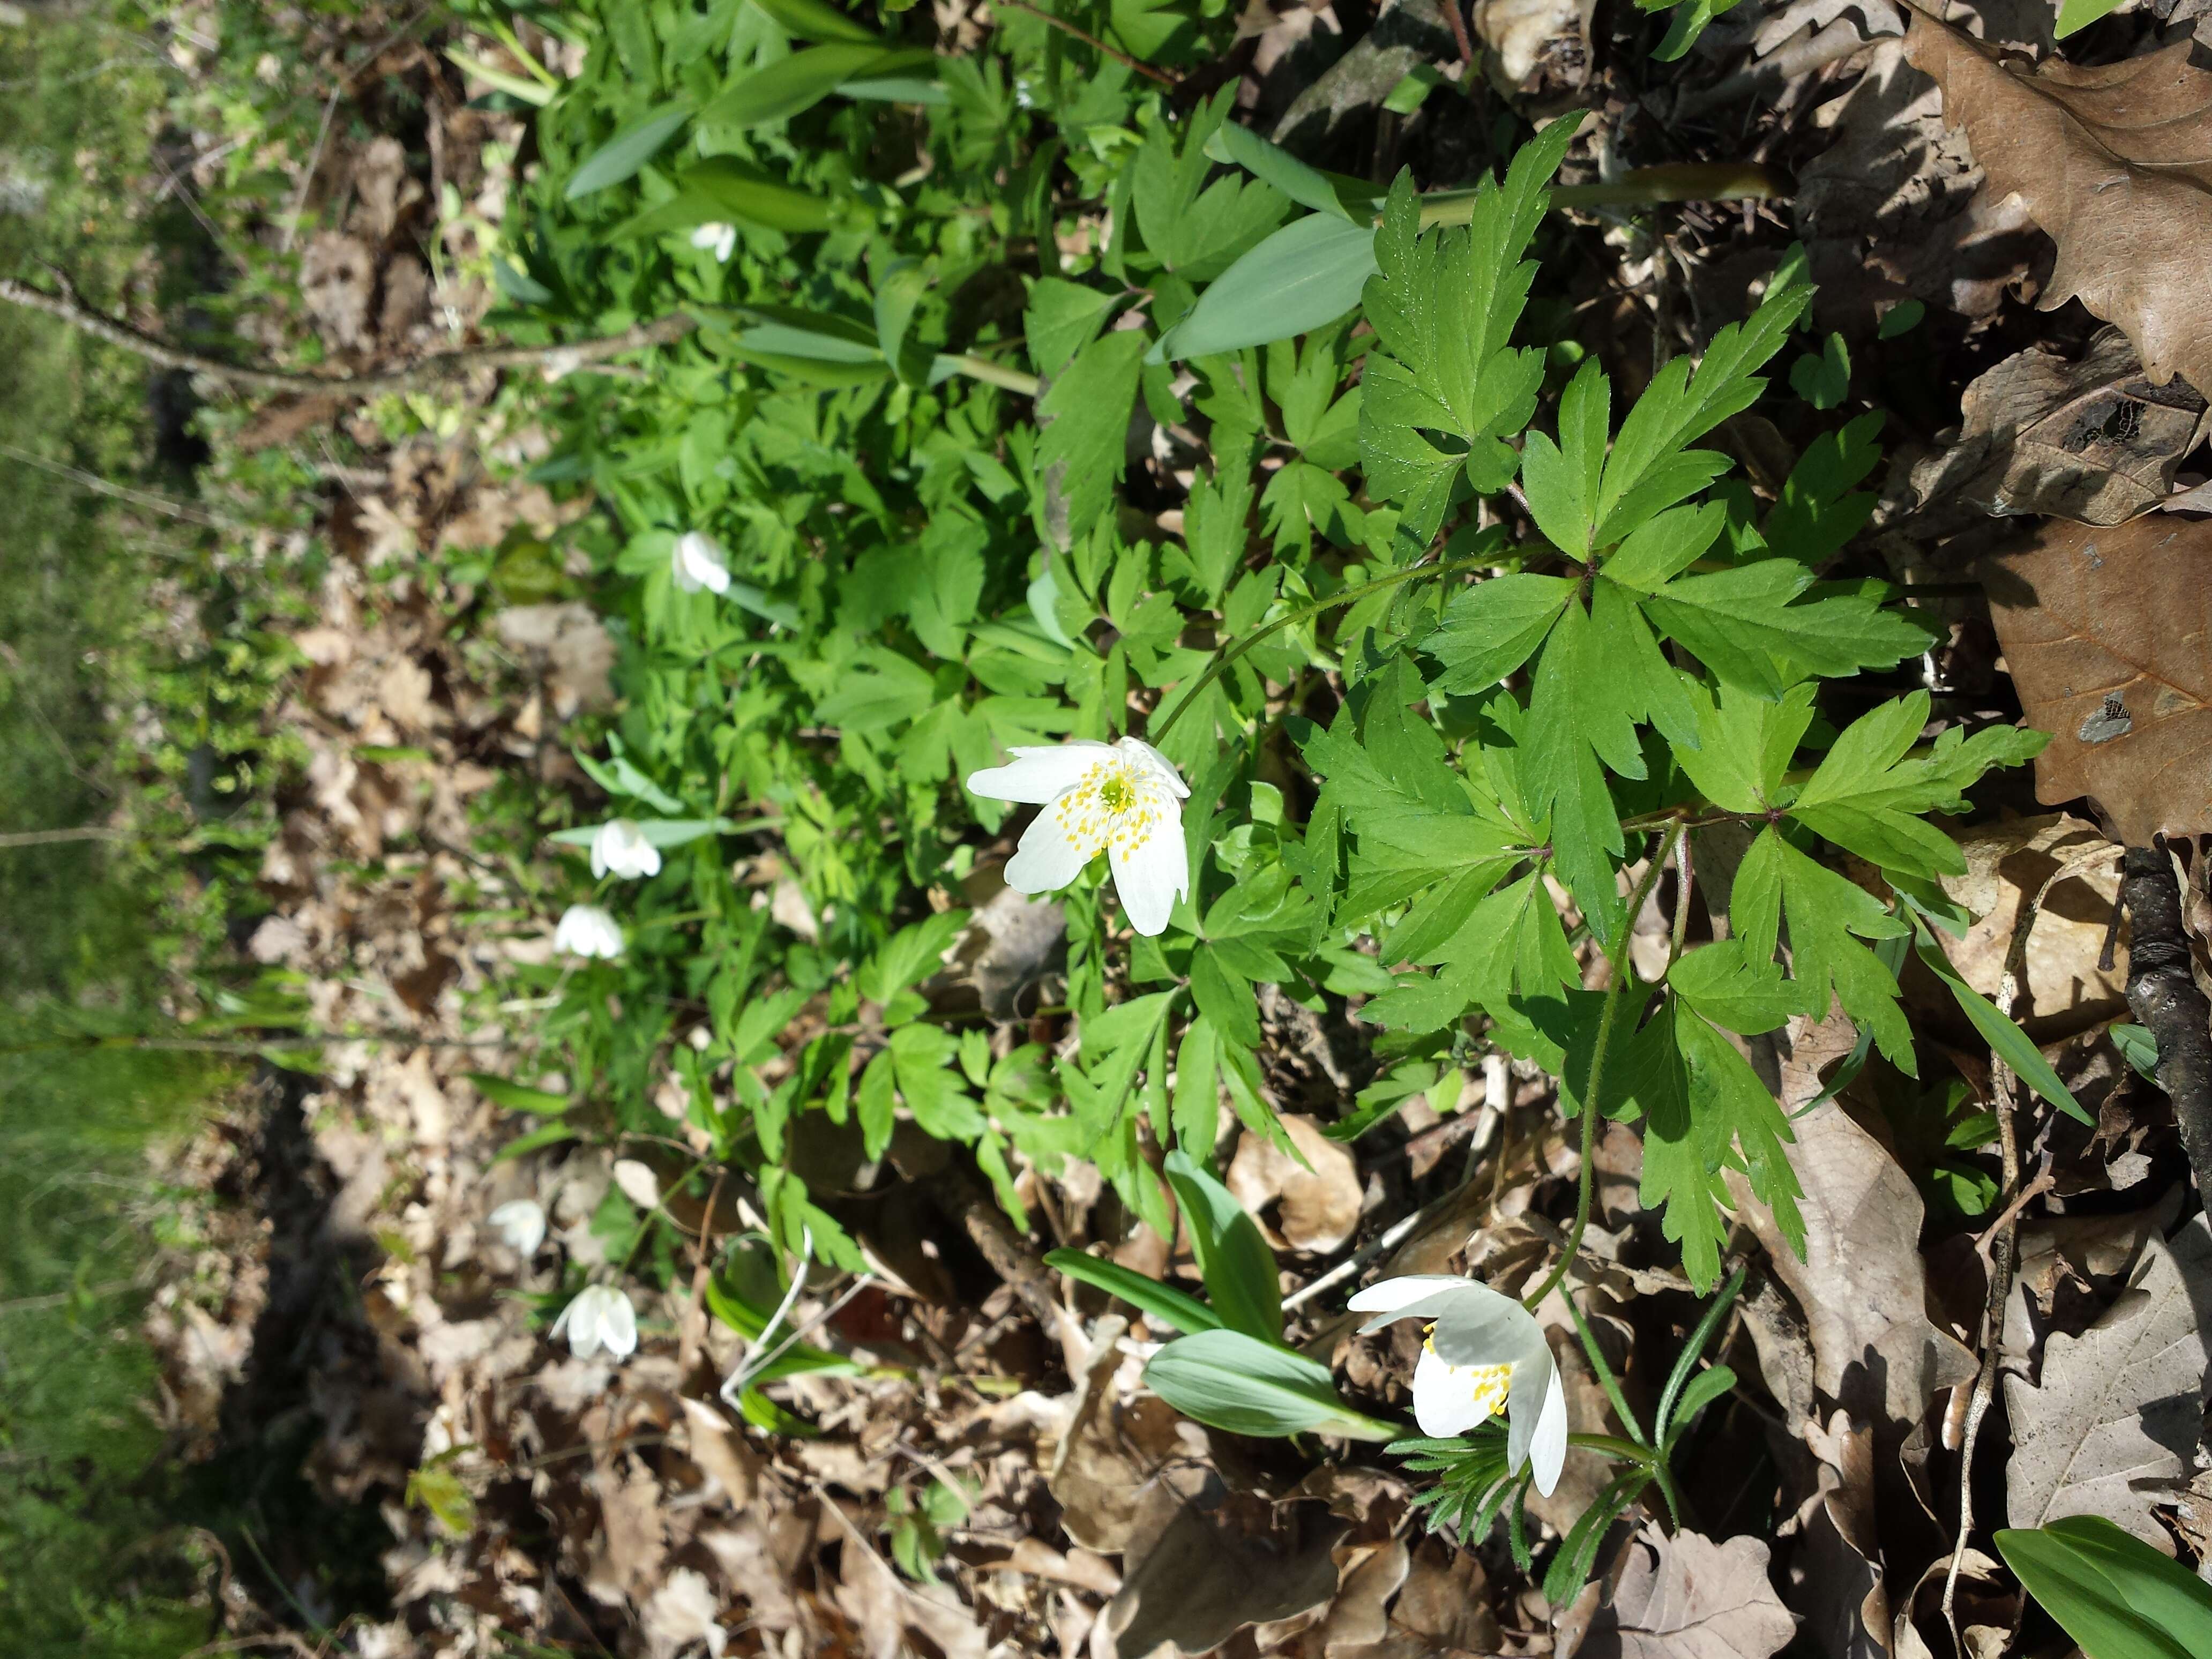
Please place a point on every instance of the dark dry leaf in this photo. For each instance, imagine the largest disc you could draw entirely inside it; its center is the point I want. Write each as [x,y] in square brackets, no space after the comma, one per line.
[2108,635]
[2094,441]
[1688,1596]
[2112,162]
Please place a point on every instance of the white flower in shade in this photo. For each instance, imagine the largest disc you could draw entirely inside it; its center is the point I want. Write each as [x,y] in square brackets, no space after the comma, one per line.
[1484,1351]
[585,930]
[520,1224]
[599,1317]
[721,238]
[619,847]
[1123,798]
[699,564]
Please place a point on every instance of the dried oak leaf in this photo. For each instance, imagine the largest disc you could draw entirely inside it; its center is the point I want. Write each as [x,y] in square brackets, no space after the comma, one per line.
[1687,1597]
[2108,635]
[1316,1190]
[1861,1280]
[2112,162]
[2112,1427]
[2093,441]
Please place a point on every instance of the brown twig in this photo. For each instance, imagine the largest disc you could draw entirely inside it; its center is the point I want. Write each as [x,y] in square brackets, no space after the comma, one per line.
[1999,1249]
[1457,19]
[429,372]
[1091,40]
[2163,996]
[695,1322]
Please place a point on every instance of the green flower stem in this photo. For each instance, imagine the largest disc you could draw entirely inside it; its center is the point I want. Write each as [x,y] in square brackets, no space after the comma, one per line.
[1229,654]
[983,368]
[1608,1019]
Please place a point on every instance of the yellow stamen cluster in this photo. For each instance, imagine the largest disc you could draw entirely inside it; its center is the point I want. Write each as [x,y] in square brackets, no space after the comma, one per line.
[1113,804]
[1487,1386]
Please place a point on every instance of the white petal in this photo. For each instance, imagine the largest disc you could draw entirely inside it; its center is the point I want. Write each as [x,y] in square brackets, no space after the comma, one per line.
[619,1326]
[1154,874]
[1443,1399]
[1037,773]
[1047,861]
[1535,1380]
[1389,1295]
[639,1184]
[698,561]
[1137,750]
[725,244]
[706,235]
[620,849]
[587,930]
[520,1224]
[1547,1450]
[1483,1327]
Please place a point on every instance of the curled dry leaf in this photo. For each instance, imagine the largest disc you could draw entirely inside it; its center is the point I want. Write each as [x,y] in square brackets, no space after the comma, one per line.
[1317,1202]
[2064,990]
[2111,162]
[2108,635]
[1688,1596]
[2114,1423]
[1861,1282]
[2096,440]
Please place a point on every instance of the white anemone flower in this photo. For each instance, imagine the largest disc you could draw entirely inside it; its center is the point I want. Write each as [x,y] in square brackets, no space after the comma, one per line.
[619,847]
[599,1317]
[520,1224]
[585,930]
[721,238]
[699,562]
[1484,1351]
[1123,798]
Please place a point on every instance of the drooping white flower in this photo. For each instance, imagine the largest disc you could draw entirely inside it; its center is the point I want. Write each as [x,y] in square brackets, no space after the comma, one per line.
[520,1224]
[599,1317]
[619,847]
[1123,798]
[1484,1351]
[699,562]
[721,238]
[585,930]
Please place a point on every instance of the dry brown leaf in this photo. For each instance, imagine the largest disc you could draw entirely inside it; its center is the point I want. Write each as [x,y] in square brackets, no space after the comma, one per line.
[2093,441]
[1318,1201]
[1862,1281]
[2108,636]
[2118,1410]
[2112,162]
[2007,864]
[1687,1597]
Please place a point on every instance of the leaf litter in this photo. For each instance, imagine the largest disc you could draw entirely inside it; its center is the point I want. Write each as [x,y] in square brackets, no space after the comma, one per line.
[572,1502]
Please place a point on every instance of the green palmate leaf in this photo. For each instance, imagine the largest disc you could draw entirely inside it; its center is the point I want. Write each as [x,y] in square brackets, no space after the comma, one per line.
[1117,1045]
[1868,795]
[1198,229]
[1562,479]
[1569,730]
[2009,1043]
[1493,628]
[1085,420]
[1649,470]
[1828,916]
[2113,1594]
[1060,321]
[1722,984]
[622,156]
[1746,626]
[1704,1112]
[1745,745]
[1309,273]
[1443,307]
[1230,1381]
[1163,1305]
[1233,1259]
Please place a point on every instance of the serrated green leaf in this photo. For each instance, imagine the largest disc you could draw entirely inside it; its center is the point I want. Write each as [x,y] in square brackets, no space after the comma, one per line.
[1084,416]
[1493,628]
[2010,1043]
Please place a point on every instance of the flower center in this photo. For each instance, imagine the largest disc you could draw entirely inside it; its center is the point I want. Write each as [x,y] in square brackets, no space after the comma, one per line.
[1486,1386]
[1110,806]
